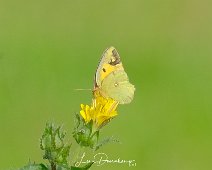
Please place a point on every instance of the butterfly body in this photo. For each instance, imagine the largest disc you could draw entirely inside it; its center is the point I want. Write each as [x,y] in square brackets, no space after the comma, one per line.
[111,81]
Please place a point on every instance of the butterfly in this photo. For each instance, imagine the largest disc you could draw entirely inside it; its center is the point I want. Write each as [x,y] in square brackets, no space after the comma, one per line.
[110,80]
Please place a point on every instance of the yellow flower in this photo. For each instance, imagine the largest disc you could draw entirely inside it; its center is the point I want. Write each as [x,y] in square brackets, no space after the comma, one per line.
[101,111]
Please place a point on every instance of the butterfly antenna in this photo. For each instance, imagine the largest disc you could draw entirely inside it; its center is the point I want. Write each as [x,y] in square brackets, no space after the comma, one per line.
[82,89]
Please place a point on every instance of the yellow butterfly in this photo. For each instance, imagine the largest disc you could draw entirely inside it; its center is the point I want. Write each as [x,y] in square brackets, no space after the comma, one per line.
[111,81]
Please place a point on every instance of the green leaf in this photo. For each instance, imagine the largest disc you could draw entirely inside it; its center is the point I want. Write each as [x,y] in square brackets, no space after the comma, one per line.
[52,142]
[63,167]
[82,168]
[34,167]
[82,134]
[106,141]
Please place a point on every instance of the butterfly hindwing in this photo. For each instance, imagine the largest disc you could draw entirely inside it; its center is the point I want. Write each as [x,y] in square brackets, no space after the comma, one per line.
[117,86]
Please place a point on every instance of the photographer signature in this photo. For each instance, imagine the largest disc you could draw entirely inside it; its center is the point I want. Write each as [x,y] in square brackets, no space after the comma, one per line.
[101,158]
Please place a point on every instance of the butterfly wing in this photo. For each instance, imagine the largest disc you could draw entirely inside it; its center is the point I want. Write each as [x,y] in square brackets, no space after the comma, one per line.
[117,86]
[109,62]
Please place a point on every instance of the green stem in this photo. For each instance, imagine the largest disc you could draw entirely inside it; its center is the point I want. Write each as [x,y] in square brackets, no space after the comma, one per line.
[53,166]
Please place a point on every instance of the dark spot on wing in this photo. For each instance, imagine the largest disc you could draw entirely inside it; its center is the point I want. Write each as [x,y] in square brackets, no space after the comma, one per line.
[104,70]
[115,54]
[116,59]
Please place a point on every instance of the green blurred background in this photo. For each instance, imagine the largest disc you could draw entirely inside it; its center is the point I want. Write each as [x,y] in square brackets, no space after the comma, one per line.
[50,48]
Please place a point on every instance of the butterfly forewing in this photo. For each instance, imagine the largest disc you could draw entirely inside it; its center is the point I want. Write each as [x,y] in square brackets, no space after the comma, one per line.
[109,62]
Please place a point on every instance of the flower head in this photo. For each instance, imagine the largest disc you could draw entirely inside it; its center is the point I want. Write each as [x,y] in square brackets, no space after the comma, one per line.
[101,111]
